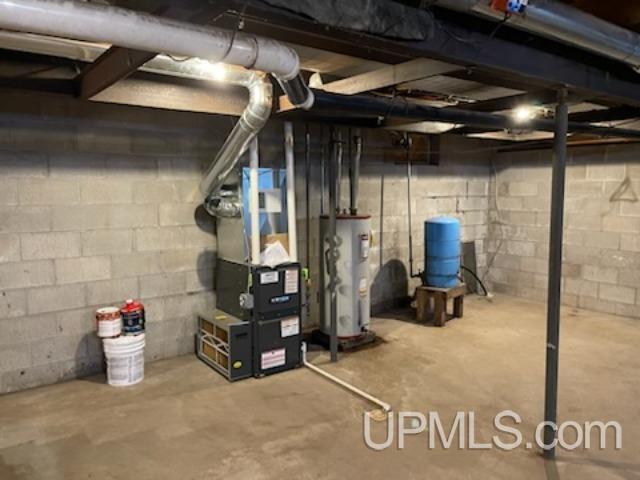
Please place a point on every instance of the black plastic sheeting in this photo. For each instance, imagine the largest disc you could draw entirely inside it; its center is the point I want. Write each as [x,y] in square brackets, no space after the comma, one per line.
[378,17]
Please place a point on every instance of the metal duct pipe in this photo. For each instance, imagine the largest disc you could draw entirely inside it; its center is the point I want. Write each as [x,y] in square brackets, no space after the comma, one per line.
[141,31]
[558,21]
[338,173]
[354,174]
[254,200]
[253,118]
[385,108]
[332,259]
[292,225]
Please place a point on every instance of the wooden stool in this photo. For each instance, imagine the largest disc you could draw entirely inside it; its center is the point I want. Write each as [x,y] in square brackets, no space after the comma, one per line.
[440,297]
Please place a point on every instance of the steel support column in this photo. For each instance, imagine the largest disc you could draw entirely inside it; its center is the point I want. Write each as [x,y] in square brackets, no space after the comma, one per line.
[333,206]
[555,272]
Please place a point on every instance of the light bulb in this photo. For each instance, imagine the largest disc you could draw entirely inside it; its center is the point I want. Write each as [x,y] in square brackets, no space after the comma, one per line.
[524,113]
[218,71]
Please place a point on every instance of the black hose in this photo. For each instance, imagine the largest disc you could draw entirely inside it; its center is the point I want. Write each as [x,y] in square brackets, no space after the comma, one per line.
[484,289]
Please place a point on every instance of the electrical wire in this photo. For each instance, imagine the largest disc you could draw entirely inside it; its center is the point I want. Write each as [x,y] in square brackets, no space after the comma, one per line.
[473,274]
[178,59]
[426,7]
[498,221]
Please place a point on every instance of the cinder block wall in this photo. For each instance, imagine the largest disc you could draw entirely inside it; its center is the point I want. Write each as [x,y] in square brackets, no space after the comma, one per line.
[602,228]
[457,187]
[92,213]
[100,203]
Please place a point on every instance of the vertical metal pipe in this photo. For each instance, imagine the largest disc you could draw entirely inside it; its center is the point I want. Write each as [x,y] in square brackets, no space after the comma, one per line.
[354,173]
[409,218]
[323,168]
[333,183]
[322,266]
[307,193]
[555,270]
[254,200]
[337,179]
[291,192]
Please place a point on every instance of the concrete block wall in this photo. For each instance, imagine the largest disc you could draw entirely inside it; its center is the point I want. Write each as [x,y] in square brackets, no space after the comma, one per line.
[602,226]
[459,186]
[94,210]
[90,216]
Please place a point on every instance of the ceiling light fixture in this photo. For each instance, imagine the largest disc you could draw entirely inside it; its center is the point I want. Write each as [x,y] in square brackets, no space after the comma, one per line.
[524,113]
[218,71]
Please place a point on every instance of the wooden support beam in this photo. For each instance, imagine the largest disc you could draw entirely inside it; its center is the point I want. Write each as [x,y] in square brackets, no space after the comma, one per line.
[389,76]
[607,115]
[156,91]
[507,103]
[115,64]
[118,63]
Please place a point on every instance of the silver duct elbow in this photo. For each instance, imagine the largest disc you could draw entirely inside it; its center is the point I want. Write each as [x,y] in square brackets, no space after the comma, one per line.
[297,91]
[224,203]
[251,122]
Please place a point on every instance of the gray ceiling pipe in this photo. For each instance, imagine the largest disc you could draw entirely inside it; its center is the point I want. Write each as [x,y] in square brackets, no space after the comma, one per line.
[141,31]
[559,21]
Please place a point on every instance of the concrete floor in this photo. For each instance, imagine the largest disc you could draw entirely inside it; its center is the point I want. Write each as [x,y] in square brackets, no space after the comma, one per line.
[186,422]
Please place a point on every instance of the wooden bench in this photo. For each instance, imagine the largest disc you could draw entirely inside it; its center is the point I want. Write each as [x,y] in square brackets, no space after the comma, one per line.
[440,298]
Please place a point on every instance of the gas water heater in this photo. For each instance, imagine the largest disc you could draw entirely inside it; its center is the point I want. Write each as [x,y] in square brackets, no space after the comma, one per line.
[353,240]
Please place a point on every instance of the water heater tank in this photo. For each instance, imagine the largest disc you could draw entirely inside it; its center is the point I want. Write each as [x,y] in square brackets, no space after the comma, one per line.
[442,252]
[353,237]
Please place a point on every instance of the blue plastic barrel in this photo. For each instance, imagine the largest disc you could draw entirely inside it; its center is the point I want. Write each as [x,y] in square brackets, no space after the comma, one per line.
[442,251]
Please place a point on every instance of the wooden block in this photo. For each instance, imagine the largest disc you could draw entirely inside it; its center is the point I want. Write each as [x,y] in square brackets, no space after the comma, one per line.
[440,297]
[440,310]
[458,306]
[422,304]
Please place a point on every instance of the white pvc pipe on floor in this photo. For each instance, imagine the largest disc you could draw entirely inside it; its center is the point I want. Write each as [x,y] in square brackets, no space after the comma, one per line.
[254,200]
[291,192]
[384,405]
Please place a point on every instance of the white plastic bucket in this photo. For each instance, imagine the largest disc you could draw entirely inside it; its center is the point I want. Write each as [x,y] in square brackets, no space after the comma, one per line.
[125,360]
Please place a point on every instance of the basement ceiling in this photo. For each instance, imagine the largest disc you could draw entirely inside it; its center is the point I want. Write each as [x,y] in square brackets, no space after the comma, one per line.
[621,12]
[464,68]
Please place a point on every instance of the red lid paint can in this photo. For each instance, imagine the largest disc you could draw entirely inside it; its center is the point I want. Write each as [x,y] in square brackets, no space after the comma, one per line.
[132,313]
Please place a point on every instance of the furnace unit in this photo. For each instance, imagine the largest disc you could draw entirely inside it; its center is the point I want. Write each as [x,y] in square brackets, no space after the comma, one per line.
[256,329]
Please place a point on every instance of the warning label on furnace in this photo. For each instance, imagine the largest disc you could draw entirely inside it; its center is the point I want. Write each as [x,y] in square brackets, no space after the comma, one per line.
[290,282]
[272,358]
[269,277]
[289,327]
